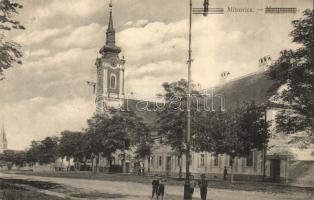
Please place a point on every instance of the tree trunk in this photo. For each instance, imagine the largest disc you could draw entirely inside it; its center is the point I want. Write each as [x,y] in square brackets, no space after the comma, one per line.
[148,164]
[110,163]
[92,158]
[123,163]
[180,166]
[69,164]
[97,163]
[264,161]
[232,174]
[77,165]
[62,164]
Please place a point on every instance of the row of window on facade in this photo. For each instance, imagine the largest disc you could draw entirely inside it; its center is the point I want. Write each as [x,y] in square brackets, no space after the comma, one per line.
[158,159]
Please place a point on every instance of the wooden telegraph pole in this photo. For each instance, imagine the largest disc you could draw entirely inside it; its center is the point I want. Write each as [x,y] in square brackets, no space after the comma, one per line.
[204,11]
[187,184]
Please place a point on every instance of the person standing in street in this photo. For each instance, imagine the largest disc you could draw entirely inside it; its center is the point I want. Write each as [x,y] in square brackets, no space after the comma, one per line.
[203,184]
[155,184]
[192,185]
[225,173]
[161,189]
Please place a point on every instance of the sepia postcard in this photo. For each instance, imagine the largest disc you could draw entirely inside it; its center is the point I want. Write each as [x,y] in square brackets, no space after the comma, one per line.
[156,99]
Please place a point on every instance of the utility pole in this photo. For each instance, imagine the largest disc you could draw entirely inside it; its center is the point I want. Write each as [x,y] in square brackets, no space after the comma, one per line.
[187,189]
[204,11]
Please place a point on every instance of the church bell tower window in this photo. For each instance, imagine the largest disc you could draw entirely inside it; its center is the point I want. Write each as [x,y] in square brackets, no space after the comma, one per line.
[112,81]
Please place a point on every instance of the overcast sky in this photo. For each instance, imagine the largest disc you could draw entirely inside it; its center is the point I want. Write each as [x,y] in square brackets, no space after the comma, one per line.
[48,93]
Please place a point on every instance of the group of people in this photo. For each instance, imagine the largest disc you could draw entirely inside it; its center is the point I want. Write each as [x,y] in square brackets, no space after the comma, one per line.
[202,184]
[158,187]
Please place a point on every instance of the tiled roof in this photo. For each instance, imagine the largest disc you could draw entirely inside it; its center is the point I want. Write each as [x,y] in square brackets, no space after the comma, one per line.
[254,87]
[143,109]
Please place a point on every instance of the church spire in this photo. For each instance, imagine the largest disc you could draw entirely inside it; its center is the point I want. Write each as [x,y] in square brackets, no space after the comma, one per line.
[3,135]
[110,46]
[110,34]
[3,140]
[110,25]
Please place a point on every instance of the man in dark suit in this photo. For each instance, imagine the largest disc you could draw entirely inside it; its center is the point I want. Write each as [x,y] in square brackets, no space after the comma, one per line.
[155,184]
[203,184]
[225,173]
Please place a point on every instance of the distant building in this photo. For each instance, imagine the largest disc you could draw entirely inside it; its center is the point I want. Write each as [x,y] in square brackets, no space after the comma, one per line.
[3,140]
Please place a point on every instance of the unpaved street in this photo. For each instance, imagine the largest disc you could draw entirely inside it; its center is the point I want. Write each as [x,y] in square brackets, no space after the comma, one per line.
[140,191]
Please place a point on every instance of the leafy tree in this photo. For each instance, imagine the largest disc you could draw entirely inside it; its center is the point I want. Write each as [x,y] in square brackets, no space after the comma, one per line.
[11,157]
[108,133]
[144,146]
[235,132]
[8,157]
[49,150]
[33,153]
[105,137]
[43,152]
[172,117]
[135,131]
[94,135]
[19,158]
[293,74]
[144,151]
[71,146]
[10,52]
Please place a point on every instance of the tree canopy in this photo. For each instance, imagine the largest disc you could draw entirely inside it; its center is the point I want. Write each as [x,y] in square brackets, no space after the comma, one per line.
[293,74]
[172,117]
[234,132]
[10,52]
[120,130]
[171,124]
[71,145]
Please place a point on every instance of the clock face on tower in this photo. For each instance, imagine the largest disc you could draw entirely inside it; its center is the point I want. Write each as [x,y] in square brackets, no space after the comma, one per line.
[113,63]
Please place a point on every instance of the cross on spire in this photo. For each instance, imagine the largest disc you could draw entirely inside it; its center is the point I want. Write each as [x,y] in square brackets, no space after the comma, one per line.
[110,46]
[110,4]
[110,25]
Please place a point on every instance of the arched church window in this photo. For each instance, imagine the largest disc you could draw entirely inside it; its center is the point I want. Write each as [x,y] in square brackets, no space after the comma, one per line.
[113,81]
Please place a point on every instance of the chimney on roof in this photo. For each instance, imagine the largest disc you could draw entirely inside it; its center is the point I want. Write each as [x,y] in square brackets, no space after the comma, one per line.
[225,77]
[264,63]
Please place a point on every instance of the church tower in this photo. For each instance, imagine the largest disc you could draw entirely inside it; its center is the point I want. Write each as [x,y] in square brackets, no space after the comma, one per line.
[110,72]
[3,140]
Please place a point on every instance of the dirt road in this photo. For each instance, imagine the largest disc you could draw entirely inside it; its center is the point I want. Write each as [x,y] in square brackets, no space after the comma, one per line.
[140,191]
